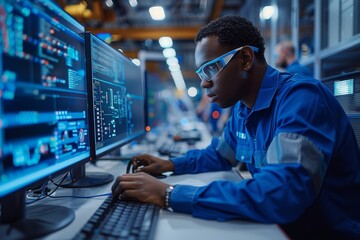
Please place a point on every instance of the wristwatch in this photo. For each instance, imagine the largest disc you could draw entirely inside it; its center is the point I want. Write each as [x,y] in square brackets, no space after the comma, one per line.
[167,198]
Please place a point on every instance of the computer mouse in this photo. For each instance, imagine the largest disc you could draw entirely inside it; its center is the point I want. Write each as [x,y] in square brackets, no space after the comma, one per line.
[130,169]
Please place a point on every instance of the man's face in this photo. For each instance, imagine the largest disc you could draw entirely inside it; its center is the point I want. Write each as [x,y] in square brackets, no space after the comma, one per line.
[227,86]
[281,58]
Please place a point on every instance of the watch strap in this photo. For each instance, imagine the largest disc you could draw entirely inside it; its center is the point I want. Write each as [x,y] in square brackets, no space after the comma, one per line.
[167,198]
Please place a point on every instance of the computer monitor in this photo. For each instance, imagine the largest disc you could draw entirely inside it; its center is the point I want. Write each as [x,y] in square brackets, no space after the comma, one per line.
[117,102]
[346,89]
[43,110]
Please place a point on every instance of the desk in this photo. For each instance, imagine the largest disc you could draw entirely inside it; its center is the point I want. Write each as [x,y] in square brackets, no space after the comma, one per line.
[170,225]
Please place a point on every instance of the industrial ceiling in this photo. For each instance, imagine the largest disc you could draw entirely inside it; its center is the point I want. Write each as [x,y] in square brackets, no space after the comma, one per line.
[133,30]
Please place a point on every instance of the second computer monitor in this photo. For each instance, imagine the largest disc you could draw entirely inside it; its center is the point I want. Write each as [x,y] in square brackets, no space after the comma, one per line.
[117,102]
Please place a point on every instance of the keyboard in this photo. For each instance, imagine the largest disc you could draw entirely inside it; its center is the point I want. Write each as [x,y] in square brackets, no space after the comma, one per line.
[169,148]
[121,220]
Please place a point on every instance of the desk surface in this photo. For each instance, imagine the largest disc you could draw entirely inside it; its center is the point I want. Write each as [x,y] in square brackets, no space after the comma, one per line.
[170,225]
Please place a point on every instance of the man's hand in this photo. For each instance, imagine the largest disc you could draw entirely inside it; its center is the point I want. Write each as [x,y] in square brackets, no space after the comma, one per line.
[150,164]
[140,187]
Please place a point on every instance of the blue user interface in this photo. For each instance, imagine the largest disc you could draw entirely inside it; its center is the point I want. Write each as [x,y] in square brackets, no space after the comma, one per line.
[43,93]
[118,101]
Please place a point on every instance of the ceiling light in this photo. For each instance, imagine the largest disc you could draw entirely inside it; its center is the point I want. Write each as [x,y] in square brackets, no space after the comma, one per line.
[136,61]
[157,13]
[76,9]
[165,42]
[174,67]
[172,61]
[192,92]
[169,52]
[267,12]
[133,3]
[178,80]
[109,3]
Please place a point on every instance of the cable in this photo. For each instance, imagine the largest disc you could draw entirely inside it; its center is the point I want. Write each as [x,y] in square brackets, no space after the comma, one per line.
[37,193]
[45,194]
[93,196]
[44,190]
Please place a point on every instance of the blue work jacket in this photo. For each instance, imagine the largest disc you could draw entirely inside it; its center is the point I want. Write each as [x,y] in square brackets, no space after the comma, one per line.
[296,67]
[308,196]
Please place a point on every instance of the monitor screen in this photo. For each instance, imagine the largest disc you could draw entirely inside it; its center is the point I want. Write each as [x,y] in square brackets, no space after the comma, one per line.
[43,93]
[117,102]
[346,89]
[43,110]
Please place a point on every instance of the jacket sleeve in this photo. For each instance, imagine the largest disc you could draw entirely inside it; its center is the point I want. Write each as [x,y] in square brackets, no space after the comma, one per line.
[204,160]
[278,194]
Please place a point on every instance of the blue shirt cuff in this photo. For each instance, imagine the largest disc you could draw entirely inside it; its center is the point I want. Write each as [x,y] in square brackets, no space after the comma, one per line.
[180,164]
[181,198]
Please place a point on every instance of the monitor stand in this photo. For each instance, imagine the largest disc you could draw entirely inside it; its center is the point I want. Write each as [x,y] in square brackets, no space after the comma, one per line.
[79,178]
[28,222]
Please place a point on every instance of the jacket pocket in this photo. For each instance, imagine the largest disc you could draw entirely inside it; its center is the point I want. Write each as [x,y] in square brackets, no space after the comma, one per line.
[243,152]
[260,158]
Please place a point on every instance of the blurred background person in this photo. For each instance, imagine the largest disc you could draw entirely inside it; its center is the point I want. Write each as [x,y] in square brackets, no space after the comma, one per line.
[286,59]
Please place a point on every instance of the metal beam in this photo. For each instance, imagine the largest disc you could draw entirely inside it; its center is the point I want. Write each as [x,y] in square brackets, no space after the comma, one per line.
[180,33]
[217,9]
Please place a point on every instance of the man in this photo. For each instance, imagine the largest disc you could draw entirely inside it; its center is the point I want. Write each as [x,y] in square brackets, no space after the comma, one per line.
[286,59]
[290,131]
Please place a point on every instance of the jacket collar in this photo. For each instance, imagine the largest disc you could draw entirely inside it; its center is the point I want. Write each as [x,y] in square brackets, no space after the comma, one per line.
[266,93]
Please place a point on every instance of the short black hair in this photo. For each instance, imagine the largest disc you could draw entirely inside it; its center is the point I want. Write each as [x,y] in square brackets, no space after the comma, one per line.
[234,31]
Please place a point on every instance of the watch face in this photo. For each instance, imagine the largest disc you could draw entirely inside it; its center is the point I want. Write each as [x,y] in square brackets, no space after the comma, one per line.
[169,189]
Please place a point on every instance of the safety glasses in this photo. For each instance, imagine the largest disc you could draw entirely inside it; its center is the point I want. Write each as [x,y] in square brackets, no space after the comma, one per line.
[208,70]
